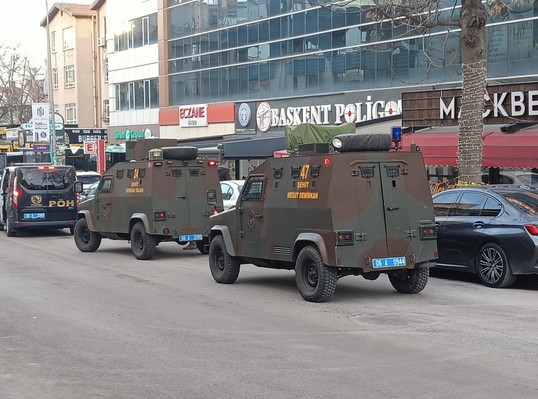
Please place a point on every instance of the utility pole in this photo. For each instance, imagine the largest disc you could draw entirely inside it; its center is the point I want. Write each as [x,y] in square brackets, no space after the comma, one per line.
[52,121]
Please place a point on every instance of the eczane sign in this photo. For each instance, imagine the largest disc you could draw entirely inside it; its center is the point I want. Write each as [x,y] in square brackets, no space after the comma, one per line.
[193,115]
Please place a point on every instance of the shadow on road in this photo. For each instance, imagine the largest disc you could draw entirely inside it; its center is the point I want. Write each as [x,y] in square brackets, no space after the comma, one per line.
[523,282]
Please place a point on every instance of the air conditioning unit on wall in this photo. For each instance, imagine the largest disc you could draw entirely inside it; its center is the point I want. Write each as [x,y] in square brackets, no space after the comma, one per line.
[101,41]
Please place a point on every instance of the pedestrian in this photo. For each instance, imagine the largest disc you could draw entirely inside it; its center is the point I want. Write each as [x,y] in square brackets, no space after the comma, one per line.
[224,172]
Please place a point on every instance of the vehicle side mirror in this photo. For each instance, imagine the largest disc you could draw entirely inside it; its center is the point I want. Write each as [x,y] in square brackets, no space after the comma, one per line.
[78,187]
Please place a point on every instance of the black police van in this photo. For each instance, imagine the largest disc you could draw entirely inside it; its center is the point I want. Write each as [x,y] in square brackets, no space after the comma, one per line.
[37,196]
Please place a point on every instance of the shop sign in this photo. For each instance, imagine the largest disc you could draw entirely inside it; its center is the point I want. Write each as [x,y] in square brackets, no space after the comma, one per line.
[129,135]
[268,117]
[79,136]
[40,147]
[193,115]
[503,104]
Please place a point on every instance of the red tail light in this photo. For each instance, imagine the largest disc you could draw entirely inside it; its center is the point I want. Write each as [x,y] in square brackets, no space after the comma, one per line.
[532,229]
[428,232]
[344,238]
[15,195]
[215,211]
[212,163]
[159,216]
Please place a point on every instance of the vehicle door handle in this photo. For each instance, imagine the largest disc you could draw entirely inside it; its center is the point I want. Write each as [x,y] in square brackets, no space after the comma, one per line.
[258,216]
[392,208]
[476,225]
[182,196]
[109,203]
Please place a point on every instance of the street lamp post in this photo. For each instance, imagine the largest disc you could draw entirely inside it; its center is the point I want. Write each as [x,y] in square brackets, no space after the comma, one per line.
[52,129]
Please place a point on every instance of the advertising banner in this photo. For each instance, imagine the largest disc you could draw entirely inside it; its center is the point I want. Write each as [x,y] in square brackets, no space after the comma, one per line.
[40,119]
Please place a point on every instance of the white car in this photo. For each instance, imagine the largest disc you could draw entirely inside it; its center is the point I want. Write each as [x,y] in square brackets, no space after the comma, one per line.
[87,178]
[231,189]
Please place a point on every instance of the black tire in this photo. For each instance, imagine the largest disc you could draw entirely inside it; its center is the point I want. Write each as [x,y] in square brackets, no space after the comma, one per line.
[181,153]
[493,268]
[202,246]
[71,230]
[315,280]
[224,267]
[410,281]
[1,226]
[85,239]
[10,230]
[143,244]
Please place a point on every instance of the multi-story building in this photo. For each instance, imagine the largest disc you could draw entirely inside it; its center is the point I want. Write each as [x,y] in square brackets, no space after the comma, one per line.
[217,70]
[133,69]
[75,81]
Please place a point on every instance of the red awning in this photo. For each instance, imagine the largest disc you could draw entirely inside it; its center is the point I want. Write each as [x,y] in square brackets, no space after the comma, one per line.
[503,150]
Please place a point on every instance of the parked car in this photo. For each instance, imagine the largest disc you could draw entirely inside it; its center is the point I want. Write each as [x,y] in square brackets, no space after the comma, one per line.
[514,177]
[87,177]
[231,189]
[488,230]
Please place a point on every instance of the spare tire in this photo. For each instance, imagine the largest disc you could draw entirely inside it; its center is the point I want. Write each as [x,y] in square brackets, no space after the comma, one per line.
[181,153]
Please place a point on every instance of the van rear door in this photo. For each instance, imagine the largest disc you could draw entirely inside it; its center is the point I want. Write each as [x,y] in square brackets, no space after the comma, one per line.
[45,194]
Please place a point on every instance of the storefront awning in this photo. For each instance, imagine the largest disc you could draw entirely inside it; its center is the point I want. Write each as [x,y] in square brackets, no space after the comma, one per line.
[503,150]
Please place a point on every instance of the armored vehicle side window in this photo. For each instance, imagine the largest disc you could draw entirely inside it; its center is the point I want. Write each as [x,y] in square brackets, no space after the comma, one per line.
[106,185]
[253,190]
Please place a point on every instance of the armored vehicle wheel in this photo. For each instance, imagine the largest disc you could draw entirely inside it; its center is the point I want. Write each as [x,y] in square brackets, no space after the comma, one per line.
[143,244]
[86,240]
[315,280]
[181,153]
[201,245]
[224,267]
[410,281]
[493,268]
[10,230]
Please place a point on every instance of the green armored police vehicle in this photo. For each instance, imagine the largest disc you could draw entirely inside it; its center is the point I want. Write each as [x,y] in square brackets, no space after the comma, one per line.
[168,196]
[359,208]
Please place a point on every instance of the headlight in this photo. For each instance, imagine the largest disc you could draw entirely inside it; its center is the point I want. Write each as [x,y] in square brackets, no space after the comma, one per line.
[337,143]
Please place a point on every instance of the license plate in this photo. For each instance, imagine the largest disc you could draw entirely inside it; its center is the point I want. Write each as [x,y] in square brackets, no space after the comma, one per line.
[190,237]
[380,263]
[34,216]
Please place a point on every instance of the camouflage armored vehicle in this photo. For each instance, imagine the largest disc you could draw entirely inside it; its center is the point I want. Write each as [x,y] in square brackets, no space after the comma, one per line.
[167,197]
[362,210]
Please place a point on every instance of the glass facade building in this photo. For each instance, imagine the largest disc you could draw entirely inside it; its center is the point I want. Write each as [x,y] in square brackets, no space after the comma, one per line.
[238,50]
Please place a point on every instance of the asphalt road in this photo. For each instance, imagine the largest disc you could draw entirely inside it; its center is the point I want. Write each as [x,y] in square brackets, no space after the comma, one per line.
[104,325]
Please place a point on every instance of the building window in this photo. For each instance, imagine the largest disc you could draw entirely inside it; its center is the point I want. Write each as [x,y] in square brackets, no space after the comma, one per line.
[105,62]
[55,78]
[69,38]
[53,42]
[69,76]
[140,94]
[137,33]
[70,114]
[106,111]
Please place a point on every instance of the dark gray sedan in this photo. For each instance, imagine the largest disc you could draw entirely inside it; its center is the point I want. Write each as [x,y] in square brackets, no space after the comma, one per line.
[488,230]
